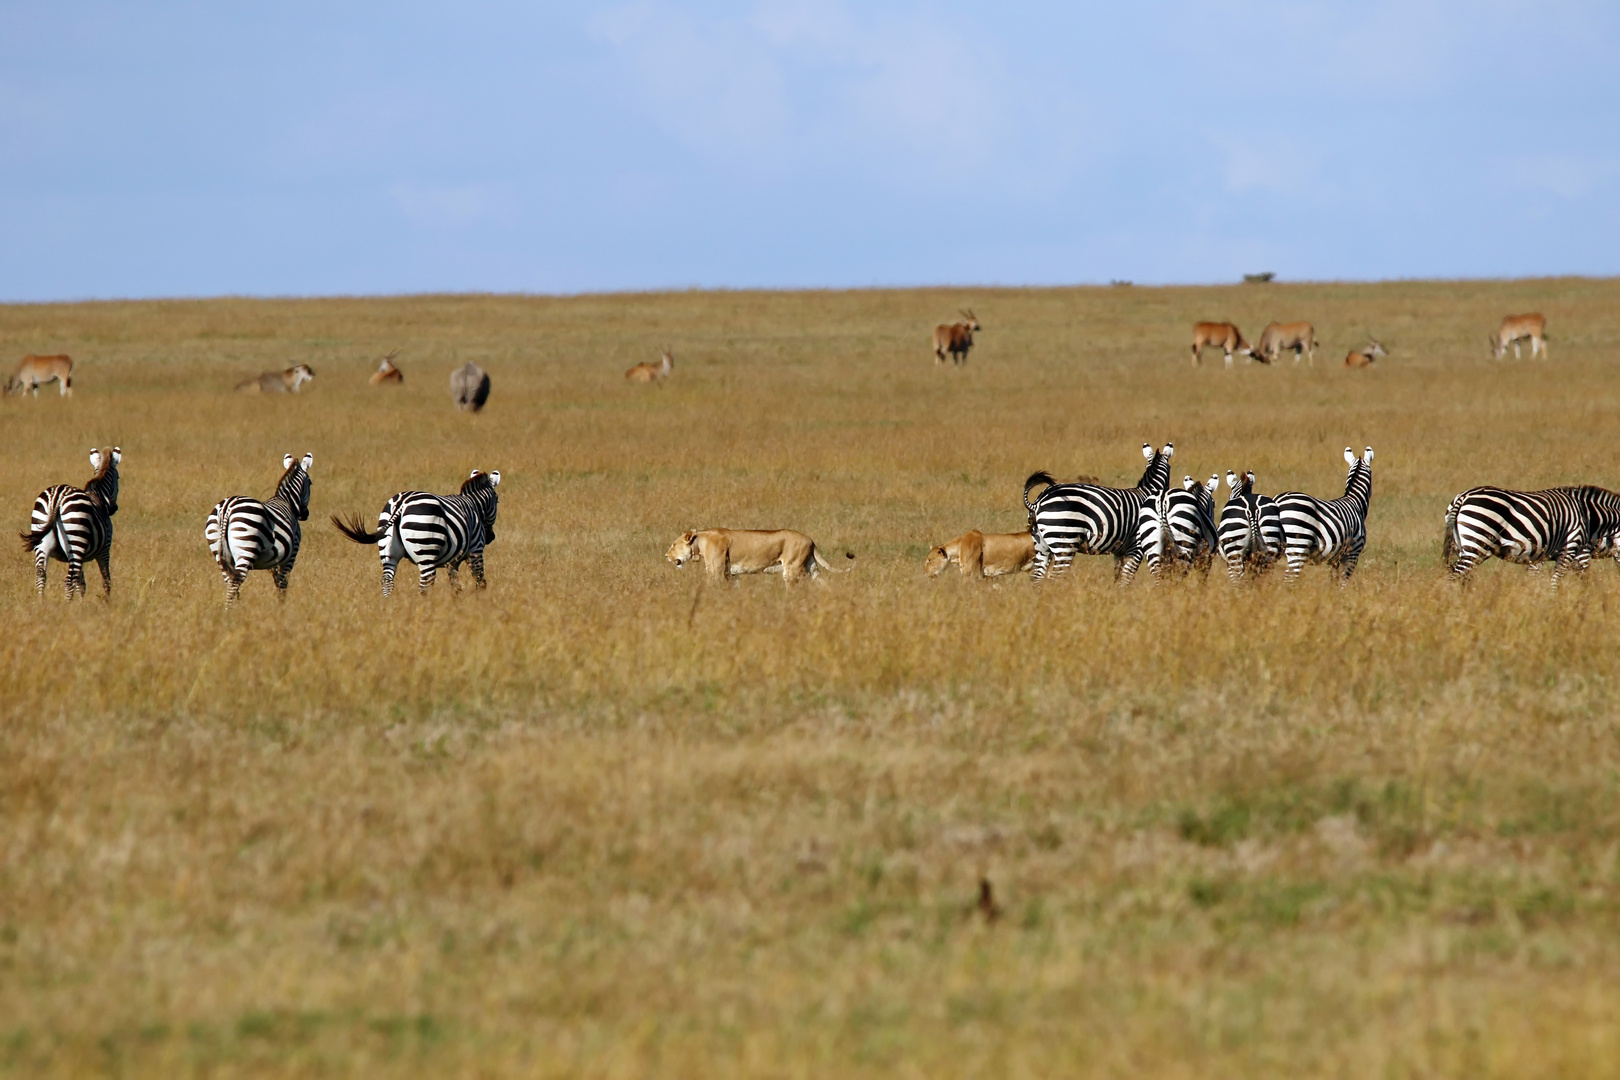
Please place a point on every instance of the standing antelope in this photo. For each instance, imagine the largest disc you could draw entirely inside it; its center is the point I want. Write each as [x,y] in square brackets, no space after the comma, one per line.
[1277,338]
[1364,356]
[955,338]
[34,371]
[386,371]
[1515,328]
[1222,335]
[645,372]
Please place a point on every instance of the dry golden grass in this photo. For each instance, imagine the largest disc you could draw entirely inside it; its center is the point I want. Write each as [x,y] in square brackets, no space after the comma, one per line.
[607,820]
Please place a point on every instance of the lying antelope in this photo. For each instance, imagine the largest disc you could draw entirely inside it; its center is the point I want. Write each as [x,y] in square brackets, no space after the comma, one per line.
[277,382]
[1221,335]
[469,386]
[652,373]
[1365,355]
[34,371]
[955,338]
[1515,328]
[386,371]
[1277,338]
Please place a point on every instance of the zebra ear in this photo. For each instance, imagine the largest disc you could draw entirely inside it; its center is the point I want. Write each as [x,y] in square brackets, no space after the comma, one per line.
[309,459]
[495,478]
[1169,450]
[1231,479]
[1147,451]
[1349,456]
[1366,458]
[472,474]
[286,461]
[118,455]
[95,459]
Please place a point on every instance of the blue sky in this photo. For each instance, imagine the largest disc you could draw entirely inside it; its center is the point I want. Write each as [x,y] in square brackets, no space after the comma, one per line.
[270,149]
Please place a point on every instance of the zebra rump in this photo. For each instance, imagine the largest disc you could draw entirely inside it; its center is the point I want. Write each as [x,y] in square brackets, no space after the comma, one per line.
[1250,532]
[1176,528]
[1090,519]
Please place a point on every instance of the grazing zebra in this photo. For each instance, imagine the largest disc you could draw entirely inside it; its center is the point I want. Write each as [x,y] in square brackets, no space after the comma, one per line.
[1567,525]
[1176,528]
[246,534]
[433,530]
[1319,530]
[1070,519]
[72,525]
[1251,529]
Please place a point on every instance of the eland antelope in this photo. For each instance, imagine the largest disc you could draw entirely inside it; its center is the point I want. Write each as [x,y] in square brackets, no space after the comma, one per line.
[652,373]
[1515,328]
[387,372]
[1364,356]
[34,371]
[469,386]
[955,338]
[1222,335]
[1277,338]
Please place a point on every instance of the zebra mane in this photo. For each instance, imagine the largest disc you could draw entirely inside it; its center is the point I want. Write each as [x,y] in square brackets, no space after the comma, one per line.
[477,482]
[289,488]
[103,487]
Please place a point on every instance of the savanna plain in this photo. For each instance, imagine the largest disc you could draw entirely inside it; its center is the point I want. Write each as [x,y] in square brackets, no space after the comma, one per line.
[607,818]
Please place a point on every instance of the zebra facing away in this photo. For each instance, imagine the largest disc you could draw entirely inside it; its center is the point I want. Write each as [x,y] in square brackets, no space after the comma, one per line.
[1328,531]
[1567,525]
[1251,531]
[245,534]
[73,525]
[433,531]
[1176,528]
[1089,519]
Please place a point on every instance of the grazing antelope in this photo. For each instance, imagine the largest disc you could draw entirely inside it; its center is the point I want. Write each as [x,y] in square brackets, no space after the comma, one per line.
[386,371]
[652,372]
[469,386]
[277,382]
[1222,335]
[1364,356]
[955,338]
[1277,338]
[1515,328]
[35,371]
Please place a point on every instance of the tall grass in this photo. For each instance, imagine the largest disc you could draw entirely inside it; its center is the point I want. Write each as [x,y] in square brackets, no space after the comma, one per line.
[608,818]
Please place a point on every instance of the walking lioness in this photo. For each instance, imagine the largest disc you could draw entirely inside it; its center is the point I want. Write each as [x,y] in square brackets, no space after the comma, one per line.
[979,554]
[726,552]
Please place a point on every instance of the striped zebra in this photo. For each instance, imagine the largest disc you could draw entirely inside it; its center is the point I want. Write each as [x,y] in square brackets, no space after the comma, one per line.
[1328,531]
[245,534]
[73,525]
[1567,525]
[1251,529]
[1088,519]
[1176,529]
[433,531]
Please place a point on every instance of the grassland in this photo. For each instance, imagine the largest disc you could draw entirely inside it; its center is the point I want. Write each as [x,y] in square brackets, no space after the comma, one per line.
[607,820]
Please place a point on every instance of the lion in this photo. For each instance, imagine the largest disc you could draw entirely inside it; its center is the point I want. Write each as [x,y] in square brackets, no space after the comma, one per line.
[727,552]
[289,381]
[979,554]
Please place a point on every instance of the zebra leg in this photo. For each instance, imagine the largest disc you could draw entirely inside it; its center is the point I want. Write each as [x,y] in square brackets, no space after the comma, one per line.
[1296,564]
[1125,568]
[75,571]
[388,579]
[280,575]
[104,561]
[40,559]
[453,572]
[425,579]
[1347,564]
[233,585]
[476,561]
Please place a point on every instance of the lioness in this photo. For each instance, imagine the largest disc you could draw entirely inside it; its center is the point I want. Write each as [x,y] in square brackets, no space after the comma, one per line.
[750,551]
[984,554]
[277,382]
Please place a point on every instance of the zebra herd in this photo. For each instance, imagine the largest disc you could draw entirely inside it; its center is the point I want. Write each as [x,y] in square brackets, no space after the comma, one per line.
[1174,530]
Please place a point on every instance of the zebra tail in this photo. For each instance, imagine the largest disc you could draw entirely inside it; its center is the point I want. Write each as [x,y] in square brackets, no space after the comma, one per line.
[31,538]
[1450,546]
[355,531]
[1042,477]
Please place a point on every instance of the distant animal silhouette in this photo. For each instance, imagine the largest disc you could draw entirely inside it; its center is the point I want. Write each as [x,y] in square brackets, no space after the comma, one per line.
[1364,356]
[1516,328]
[469,386]
[955,338]
[645,373]
[1277,338]
[289,381]
[35,371]
[386,371]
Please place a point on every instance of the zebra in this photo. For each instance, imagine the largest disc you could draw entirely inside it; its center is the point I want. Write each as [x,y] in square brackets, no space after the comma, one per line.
[1251,529]
[1566,524]
[433,530]
[246,534]
[1176,528]
[1318,530]
[1070,519]
[73,525]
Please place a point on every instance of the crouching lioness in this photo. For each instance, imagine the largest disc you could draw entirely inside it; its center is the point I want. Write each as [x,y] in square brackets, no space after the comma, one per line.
[984,554]
[277,382]
[750,551]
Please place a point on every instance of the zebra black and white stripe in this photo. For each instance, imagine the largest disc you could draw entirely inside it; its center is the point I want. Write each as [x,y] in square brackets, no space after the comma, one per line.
[1567,525]
[1251,530]
[433,531]
[1089,519]
[1328,531]
[245,534]
[1176,528]
[74,525]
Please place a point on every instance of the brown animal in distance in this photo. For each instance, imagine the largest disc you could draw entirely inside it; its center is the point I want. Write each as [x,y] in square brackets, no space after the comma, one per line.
[1222,335]
[979,554]
[645,373]
[1364,356]
[386,371]
[955,338]
[469,386]
[1516,328]
[1277,338]
[34,371]
[277,382]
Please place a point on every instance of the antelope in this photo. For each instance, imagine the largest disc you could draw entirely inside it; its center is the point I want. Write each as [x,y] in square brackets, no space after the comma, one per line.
[1223,335]
[652,372]
[1277,338]
[277,382]
[1364,356]
[1515,328]
[386,371]
[469,386]
[955,338]
[37,370]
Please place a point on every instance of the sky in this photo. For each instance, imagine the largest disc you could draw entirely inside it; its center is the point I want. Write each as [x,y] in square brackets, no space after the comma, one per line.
[169,149]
